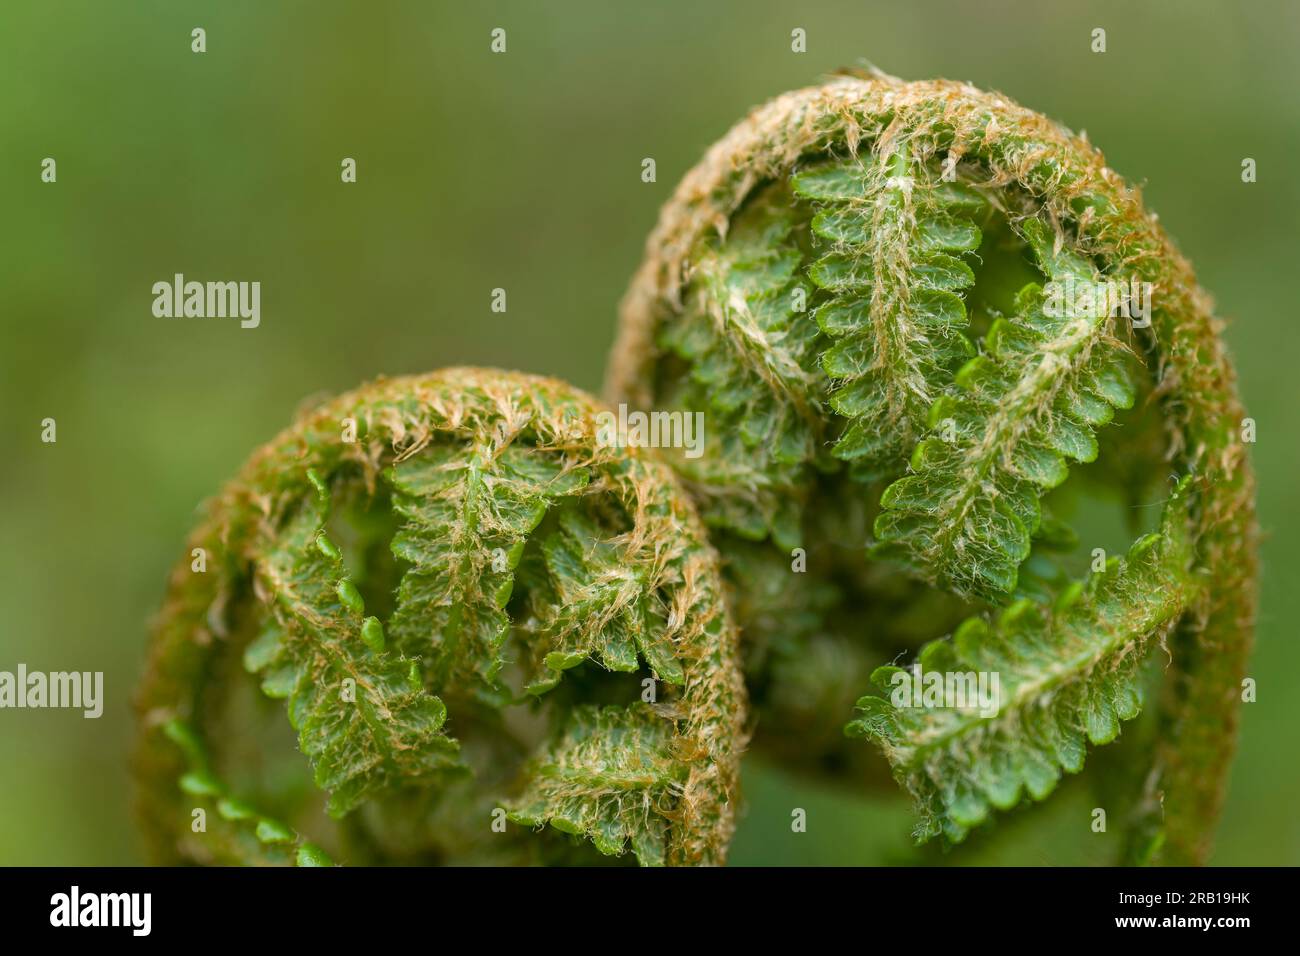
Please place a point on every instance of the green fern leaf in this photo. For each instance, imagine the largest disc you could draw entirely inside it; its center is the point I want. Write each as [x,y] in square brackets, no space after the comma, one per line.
[237,832]
[315,643]
[750,352]
[597,607]
[611,776]
[894,273]
[1067,673]
[1015,414]
[466,519]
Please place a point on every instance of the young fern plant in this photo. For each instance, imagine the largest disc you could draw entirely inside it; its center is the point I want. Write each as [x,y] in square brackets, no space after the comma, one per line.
[437,621]
[948,364]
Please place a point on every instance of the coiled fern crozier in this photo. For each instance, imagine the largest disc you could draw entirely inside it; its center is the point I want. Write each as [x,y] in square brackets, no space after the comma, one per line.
[922,317]
[493,637]
[947,364]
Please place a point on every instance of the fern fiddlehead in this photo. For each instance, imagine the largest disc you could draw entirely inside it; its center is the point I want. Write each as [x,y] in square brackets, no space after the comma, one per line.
[494,639]
[912,313]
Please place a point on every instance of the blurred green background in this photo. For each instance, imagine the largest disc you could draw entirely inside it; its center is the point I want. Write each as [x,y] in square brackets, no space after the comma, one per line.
[519,171]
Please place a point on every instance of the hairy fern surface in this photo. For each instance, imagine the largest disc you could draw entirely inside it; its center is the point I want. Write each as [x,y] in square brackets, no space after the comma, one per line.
[1068,676]
[442,623]
[942,352]
[892,272]
[754,366]
[1004,433]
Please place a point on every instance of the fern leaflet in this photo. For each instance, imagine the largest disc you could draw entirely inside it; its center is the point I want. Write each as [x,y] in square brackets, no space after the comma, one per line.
[966,515]
[1067,673]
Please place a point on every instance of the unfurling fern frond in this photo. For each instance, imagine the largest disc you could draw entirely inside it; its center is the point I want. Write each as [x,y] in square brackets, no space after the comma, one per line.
[755,367]
[908,312]
[495,639]
[893,273]
[967,512]
[1067,673]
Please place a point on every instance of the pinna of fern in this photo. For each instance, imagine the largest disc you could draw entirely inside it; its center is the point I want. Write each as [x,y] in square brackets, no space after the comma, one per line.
[441,622]
[907,312]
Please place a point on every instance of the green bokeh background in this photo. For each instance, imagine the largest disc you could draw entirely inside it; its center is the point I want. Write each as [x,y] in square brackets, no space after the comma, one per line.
[519,171]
